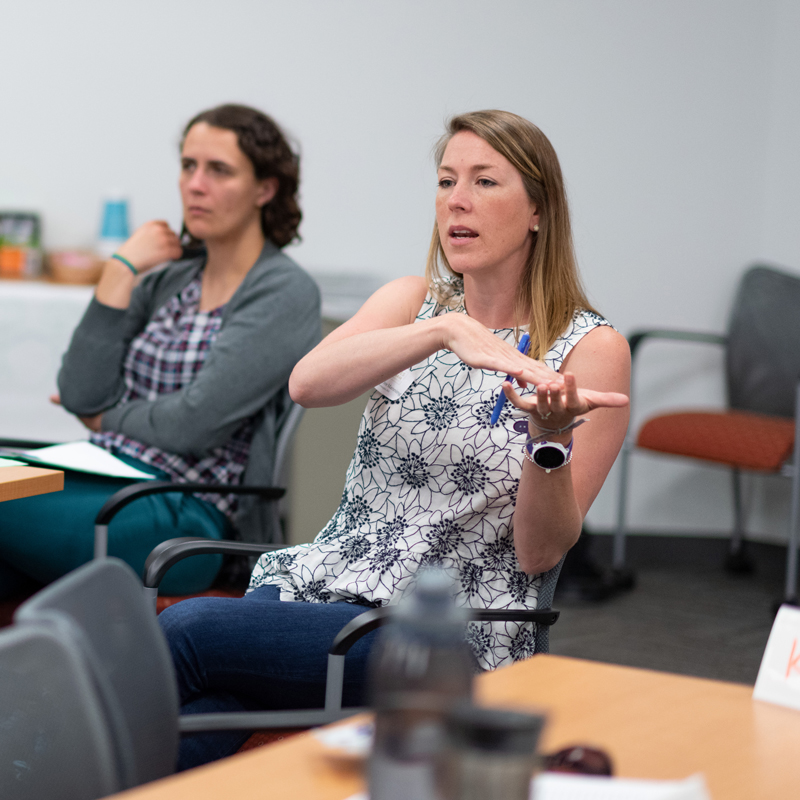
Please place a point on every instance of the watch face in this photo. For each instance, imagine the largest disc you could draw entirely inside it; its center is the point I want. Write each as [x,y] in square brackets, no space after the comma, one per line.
[548,457]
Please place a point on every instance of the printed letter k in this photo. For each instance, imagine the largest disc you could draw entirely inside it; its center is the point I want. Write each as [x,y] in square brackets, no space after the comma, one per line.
[794,661]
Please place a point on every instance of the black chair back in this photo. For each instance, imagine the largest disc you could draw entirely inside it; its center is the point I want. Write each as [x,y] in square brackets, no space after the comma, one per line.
[763,353]
[55,742]
[127,656]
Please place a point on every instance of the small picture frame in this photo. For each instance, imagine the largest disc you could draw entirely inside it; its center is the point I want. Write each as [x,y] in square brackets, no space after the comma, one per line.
[20,244]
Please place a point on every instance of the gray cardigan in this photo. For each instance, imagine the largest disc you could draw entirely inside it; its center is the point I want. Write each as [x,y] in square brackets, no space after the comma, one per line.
[272,321]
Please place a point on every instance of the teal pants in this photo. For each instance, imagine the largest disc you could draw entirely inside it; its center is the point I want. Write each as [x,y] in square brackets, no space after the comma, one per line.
[46,536]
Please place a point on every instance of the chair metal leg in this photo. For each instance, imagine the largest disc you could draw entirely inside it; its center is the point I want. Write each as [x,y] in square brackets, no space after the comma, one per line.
[100,541]
[790,591]
[618,561]
[621,577]
[152,595]
[738,561]
[335,682]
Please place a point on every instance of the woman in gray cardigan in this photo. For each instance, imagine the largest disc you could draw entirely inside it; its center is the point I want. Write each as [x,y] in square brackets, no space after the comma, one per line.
[183,371]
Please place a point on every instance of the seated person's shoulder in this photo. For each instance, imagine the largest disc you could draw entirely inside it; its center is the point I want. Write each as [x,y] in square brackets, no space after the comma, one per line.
[411,286]
[280,272]
[601,345]
[606,337]
[403,296]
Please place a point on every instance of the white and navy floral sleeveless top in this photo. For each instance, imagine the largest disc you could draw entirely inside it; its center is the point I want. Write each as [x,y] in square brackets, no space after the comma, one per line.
[430,483]
[163,358]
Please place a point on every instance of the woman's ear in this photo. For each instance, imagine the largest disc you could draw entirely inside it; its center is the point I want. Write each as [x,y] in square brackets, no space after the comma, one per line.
[533,225]
[267,189]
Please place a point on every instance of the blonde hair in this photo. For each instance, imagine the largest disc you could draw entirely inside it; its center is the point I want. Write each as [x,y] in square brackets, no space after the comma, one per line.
[549,288]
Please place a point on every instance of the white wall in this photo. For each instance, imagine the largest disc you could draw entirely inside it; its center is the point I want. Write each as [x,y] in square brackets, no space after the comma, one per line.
[780,218]
[676,122]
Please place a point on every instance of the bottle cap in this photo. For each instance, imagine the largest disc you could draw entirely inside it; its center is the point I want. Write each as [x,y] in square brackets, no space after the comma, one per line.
[494,729]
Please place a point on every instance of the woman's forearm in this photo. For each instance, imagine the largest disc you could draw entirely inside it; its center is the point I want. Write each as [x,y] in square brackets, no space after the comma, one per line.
[116,285]
[547,517]
[341,369]
[550,507]
[151,244]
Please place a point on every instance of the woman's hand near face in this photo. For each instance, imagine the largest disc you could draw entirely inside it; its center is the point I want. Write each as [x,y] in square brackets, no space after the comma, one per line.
[150,245]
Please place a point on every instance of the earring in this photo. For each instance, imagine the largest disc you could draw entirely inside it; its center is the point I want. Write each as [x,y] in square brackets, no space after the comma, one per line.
[536,229]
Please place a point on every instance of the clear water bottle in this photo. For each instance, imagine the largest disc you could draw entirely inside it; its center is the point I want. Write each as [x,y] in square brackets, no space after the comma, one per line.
[421,667]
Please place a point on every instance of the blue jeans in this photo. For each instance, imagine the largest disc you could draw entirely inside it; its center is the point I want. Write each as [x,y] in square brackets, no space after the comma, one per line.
[255,653]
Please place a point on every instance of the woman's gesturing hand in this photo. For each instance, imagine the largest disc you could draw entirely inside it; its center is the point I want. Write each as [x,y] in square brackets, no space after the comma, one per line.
[555,404]
[478,347]
[151,244]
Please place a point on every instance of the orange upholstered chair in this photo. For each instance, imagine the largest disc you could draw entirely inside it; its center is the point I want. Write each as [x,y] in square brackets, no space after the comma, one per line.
[758,430]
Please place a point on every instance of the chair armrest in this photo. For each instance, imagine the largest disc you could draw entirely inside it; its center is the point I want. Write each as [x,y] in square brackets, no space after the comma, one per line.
[259,720]
[168,553]
[638,337]
[120,499]
[375,617]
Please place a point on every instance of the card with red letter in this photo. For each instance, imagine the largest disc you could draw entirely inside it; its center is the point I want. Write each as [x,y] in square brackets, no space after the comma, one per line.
[779,676]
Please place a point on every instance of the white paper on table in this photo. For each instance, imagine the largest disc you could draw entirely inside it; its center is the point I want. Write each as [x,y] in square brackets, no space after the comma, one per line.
[561,786]
[83,457]
[353,739]
[10,462]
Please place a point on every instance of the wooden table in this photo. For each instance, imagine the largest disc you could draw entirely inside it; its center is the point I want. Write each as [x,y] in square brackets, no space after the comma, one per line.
[17,482]
[653,724]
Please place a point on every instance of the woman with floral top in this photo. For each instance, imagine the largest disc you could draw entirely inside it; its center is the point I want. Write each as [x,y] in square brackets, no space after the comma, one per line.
[435,480]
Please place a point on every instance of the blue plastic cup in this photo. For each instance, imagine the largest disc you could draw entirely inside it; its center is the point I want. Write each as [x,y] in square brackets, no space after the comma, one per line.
[115,220]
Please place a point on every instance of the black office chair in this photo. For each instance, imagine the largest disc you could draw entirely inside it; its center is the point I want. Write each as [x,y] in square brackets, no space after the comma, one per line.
[118,501]
[759,429]
[268,496]
[111,631]
[170,552]
[55,739]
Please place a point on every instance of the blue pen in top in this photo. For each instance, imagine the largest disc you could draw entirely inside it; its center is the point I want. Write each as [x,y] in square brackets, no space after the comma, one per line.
[501,401]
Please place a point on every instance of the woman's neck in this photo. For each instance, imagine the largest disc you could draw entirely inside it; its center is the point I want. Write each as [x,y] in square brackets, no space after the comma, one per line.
[491,299]
[228,262]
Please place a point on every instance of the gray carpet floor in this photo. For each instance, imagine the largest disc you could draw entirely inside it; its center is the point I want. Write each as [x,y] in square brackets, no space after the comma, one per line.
[685,614]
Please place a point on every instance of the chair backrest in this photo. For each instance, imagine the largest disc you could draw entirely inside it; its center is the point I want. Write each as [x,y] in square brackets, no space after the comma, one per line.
[288,428]
[275,512]
[763,353]
[545,600]
[127,656]
[55,743]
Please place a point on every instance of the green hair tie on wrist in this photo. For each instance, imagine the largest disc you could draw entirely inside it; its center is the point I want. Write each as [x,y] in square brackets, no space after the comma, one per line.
[126,263]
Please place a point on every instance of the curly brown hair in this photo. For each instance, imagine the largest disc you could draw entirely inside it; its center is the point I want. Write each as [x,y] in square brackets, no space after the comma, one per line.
[263,142]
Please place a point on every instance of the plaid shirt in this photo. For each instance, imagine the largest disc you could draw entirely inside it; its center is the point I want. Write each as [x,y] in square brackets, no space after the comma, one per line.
[164,358]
